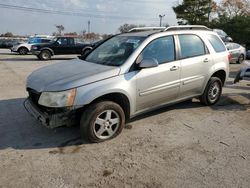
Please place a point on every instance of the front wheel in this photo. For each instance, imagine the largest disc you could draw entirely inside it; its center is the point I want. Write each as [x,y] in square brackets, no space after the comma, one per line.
[212,92]
[45,55]
[86,51]
[23,51]
[102,121]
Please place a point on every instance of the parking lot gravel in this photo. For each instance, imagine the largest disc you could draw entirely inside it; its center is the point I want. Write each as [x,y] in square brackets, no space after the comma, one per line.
[184,145]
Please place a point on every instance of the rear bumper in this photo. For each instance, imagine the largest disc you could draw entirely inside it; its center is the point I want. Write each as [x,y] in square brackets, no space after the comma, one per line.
[66,118]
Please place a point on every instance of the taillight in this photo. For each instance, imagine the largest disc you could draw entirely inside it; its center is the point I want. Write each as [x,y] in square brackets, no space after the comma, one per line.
[229,57]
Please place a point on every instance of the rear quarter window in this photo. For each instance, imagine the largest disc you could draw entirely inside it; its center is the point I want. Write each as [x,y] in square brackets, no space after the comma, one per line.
[216,43]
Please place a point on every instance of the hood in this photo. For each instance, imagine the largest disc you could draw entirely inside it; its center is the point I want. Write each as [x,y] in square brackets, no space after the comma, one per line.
[40,45]
[68,75]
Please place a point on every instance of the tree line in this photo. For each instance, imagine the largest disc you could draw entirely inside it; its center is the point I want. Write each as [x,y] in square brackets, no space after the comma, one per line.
[232,16]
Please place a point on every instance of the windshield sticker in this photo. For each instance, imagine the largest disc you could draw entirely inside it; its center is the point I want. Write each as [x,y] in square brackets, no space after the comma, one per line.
[133,41]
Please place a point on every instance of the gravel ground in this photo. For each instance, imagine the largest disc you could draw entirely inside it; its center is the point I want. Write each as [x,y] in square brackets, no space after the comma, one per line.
[185,145]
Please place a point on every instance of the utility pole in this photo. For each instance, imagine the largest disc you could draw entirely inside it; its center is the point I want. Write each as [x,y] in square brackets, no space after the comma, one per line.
[89,26]
[161,16]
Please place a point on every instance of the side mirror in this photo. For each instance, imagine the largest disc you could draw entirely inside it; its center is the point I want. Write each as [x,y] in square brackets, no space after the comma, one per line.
[148,63]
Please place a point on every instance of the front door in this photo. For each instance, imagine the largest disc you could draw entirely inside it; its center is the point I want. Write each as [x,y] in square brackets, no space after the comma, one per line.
[61,46]
[158,85]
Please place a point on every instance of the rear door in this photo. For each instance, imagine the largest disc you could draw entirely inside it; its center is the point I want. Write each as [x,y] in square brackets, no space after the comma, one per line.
[195,63]
[158,85]
[71,46]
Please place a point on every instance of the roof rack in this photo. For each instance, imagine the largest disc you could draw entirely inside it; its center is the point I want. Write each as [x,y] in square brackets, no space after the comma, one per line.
[171,28]
[146,29]
[187,27]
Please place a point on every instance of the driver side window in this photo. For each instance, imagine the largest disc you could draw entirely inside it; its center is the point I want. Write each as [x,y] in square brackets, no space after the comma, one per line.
[162,49]
[62,41]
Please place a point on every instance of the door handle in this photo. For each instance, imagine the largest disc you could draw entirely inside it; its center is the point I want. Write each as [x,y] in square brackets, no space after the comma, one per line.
[174,68]
[206,60]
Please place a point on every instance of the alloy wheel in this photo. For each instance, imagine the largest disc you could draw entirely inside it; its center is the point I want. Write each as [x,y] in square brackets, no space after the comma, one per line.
[214,92]
[106,124]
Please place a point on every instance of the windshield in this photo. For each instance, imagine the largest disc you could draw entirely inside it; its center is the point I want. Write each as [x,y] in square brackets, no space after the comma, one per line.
[220,32]
[33,40]
[54,40]
[115,51]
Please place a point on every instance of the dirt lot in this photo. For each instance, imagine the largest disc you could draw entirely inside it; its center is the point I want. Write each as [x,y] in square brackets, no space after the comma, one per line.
[185,145]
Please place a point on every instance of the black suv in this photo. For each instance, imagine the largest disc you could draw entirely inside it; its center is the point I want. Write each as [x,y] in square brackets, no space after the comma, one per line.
[60,46]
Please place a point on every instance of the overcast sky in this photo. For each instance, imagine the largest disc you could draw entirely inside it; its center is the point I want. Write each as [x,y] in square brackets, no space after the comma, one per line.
[105,15]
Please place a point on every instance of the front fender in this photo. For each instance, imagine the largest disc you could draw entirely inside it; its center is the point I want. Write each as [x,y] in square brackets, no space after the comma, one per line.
[47,48]
[124,84]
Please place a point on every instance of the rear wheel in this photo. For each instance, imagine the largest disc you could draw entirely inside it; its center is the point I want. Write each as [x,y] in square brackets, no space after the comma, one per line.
[102,121]
[84,52]
[23,51]
[45,55]
[212,92]
[240,59]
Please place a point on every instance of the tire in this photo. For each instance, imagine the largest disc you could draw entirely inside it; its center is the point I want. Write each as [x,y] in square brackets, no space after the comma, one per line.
[212,92]
[102,121]
[240,59]
[45,55]
[84,52]
[23,51]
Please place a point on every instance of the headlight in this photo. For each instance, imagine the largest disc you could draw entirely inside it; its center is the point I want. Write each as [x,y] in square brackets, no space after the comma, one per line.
[34,47]
[58,99]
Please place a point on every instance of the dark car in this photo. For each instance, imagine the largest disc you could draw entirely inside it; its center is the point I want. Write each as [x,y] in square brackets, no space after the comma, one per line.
[8,43]
[248,54]
[59,46]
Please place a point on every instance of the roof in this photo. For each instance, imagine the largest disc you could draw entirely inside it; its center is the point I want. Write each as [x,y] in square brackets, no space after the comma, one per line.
[146,31]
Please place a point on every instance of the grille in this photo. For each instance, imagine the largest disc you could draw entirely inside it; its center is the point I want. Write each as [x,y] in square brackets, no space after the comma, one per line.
[34,95]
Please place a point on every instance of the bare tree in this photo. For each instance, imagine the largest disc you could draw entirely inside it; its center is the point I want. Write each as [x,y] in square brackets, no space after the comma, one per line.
[60,29]
[233,8]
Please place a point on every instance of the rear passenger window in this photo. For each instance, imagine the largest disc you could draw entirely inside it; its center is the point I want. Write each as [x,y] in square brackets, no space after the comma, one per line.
[45,41]
[191,46]
[162,49]
[216,43]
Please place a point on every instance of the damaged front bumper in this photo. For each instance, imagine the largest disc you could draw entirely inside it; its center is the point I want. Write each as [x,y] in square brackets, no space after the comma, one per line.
[53,119]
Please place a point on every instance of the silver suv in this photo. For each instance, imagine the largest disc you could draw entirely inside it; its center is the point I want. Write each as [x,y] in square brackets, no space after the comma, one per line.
[129,74]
